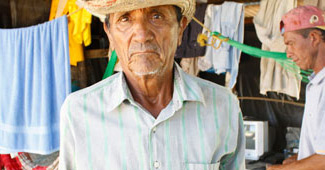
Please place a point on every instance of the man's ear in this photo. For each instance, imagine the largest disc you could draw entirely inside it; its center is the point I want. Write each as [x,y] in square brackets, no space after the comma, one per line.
[315,37]
[109,36]
[183,24]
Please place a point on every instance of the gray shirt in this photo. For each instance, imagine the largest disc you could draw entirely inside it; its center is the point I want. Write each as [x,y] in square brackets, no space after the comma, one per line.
[102,127]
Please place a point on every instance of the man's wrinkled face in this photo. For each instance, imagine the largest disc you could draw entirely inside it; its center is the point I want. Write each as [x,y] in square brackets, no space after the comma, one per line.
[146,39]
[299,49]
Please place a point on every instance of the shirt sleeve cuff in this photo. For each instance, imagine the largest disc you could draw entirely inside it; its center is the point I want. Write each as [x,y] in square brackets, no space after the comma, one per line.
[321,152]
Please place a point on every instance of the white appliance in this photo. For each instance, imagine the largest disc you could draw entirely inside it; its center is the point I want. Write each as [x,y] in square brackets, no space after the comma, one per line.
[256,134]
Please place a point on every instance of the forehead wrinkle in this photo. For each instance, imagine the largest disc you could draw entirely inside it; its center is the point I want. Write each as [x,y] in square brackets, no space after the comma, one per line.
[148,9]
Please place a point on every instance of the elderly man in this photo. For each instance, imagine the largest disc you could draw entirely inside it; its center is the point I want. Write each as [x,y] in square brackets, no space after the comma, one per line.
[304,35]
[152,115]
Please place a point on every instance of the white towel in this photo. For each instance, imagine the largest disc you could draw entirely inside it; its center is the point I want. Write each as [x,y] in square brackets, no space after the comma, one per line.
[267,23]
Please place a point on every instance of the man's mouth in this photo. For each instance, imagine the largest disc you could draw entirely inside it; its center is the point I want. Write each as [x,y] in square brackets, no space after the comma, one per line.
[143,49]
[143,53]
[295,60]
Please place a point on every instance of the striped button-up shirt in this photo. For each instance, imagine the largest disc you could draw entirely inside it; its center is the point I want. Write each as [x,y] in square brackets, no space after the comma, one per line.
[103,128]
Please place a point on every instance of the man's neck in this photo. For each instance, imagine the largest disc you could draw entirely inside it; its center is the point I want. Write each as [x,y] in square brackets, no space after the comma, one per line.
[320,60]
[152,92]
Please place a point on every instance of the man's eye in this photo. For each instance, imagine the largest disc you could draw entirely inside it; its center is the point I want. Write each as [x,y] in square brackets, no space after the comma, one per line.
[156,16]
[124,19]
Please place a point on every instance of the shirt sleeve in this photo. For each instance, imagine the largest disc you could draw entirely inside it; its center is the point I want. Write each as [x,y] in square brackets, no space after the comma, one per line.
[67,141]
[236,159]
[320,139]
[319,143]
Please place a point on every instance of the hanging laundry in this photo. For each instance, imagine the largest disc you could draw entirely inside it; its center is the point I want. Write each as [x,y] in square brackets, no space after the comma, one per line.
[190,47]
[24,162]
[274,77]
[319,3]
[35,80]
[228,19]
[190,65]
[79,28]
[8,163]
[27,163]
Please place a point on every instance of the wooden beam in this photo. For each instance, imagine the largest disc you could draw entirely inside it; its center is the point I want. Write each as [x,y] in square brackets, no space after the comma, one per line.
[96,53]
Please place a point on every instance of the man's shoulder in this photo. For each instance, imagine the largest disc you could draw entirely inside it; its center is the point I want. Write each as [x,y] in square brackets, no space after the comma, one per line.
[208,86]
[94,89]
[210,93]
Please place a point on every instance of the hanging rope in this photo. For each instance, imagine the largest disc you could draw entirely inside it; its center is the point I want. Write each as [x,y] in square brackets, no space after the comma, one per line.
[110,66]
[272,100]
[279,57]
[74,12]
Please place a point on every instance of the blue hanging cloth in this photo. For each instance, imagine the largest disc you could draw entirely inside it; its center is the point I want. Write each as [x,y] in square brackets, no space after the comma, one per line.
[35,80]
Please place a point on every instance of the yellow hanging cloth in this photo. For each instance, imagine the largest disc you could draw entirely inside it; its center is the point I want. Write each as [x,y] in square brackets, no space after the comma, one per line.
[79,28]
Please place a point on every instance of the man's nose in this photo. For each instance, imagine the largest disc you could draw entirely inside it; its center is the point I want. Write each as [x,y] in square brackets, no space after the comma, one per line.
[142,32]
[289,53]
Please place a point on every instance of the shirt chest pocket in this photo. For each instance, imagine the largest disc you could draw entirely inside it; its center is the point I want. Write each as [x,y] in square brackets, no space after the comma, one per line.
[202,166]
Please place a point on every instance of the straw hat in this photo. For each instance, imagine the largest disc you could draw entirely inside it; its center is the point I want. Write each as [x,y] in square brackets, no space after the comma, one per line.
[101,8]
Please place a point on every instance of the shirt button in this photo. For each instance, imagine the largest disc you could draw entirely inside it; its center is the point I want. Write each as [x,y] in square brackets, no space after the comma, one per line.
[156,164]
[154,130]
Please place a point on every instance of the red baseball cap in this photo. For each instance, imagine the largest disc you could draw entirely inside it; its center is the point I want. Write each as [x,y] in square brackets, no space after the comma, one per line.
[303,17]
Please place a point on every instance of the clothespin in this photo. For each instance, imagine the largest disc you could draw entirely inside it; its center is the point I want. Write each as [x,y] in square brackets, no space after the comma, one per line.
[202,39]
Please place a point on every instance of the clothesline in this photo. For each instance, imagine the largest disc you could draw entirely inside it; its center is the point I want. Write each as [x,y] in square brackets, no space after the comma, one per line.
[271,100]
[253,51]
[74,12]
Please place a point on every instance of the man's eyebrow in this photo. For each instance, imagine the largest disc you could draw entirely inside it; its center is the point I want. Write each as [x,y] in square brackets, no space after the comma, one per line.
[119,14]
[155,10]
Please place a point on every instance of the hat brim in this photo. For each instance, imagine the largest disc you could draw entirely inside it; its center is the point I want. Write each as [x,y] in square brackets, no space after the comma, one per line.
[100,10]
[321,27]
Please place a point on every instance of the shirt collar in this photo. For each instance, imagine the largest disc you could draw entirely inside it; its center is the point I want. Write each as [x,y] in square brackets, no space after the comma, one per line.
[186,86]
[317,78]
[117,91]
[185,89]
